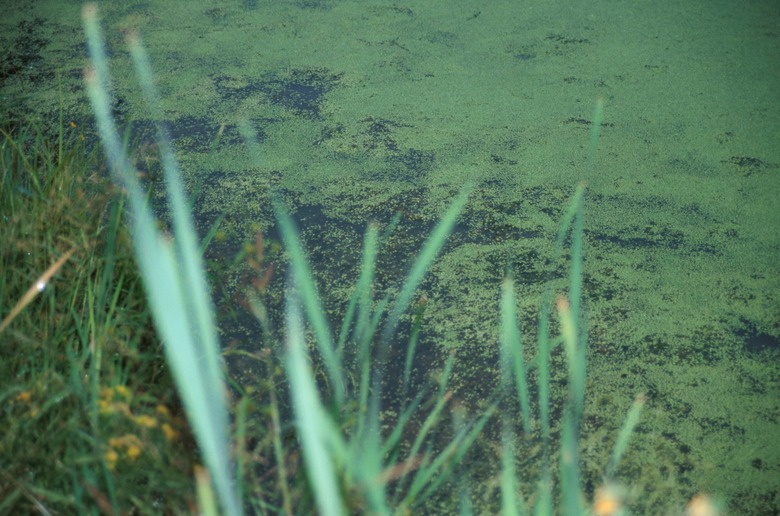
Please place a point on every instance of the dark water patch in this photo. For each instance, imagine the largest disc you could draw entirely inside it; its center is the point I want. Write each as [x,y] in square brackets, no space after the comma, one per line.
[585,122]
[550,200]
[759,500]
[646,203]
[643,237]
[756,342]
[190,133]
[379,134]
[761,342]
[749,165]
[318,5]
[691,165]
[300,90]
[498,220]
[707,345]
[557,44]
[655,236]
[661,349]
[524,56]
[499,224]
[217,15]
[23,59]
[329,132]
[441,37]
[412,164]
[605,285]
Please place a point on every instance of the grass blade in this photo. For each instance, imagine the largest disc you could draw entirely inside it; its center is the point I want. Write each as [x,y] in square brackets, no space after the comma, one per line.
[512,352]
[429,252]
[360,301]
[310,418]
[304,283]
[510,505]
[632,419]
[177,295]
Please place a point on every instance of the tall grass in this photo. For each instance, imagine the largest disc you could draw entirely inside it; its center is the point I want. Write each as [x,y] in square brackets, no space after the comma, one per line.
[87,416]
[352,463]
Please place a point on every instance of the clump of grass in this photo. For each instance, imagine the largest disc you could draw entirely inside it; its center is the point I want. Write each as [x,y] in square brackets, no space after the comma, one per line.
[90,416]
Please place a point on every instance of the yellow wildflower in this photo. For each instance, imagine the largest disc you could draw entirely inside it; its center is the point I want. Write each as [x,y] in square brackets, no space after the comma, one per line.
[169,432]
[124,392]
[105,407]
[147,421]
[133,451]
[111,457]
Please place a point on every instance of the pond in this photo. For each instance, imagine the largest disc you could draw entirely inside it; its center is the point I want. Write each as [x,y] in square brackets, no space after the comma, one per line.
[363,110]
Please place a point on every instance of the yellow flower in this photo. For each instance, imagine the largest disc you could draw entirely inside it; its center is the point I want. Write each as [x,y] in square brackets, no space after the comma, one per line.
[169,432]
[133,452]
[163,410]
[105,407]
[609,501]
[124,392]
[123,408]
[24,396]
[147,421]
[111,457]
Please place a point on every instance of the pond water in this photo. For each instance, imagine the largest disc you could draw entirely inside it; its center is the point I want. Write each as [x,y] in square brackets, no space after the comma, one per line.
[364,109]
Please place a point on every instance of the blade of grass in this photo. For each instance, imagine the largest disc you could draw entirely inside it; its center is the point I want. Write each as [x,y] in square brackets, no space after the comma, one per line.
[310,419]
[428,253]
[279,455]
[574,344]
[435,471]
[510,505]
[571,499]
[512,353]
[430,421]
[360,301]
[459,449]
[412,346]
[242,412]
[366,463]
[595,132]
[206,502]
[632,419]
[304,283]
[176,294]
[577,364]
[414,451]
[35,289]
[186,242]
[390,446]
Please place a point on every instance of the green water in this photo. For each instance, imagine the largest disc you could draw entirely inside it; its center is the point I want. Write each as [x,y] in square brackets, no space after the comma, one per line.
[366,108]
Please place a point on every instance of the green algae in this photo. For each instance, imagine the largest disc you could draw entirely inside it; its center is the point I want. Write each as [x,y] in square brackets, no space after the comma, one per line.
[364,110]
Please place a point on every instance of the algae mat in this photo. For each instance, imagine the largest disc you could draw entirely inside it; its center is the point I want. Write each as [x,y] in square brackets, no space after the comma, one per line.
[366,109]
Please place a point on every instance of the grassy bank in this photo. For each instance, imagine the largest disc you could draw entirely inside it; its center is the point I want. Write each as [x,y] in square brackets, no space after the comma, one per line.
[90,416]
